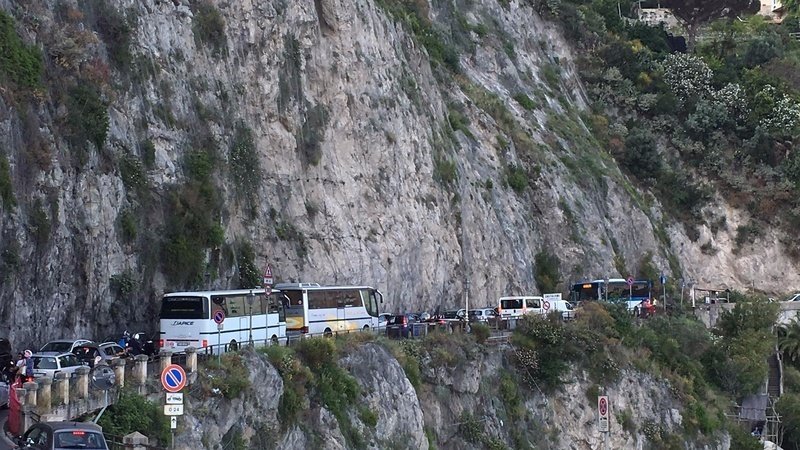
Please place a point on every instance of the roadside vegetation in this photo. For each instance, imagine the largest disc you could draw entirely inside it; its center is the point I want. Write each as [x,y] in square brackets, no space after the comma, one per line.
[706,369]
[723,117]
[132,412]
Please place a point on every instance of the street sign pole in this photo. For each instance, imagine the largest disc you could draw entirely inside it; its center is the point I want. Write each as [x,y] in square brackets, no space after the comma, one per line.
[219,317]
[466,307]
[219,345]
[250,299]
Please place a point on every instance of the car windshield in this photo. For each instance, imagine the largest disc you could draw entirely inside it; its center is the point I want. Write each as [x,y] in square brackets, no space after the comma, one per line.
[79,439]
[476,312]
[59,347]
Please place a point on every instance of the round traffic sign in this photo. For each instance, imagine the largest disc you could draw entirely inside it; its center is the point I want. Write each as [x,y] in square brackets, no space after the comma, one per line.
[546,305]
[219,316]
[173,378]
[603,406]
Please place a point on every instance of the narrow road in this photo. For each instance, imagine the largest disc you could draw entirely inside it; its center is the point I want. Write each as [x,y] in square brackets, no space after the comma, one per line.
[5,443]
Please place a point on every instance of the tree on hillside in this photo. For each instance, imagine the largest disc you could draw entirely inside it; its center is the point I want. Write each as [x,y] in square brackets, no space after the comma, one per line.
[789,340]
[694,13]
[738,362]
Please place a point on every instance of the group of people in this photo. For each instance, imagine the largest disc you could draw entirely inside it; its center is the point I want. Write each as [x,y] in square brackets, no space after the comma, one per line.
[19,370]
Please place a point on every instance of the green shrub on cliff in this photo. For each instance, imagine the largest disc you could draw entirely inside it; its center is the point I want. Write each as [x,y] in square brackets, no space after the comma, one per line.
[19,63]
[133,412]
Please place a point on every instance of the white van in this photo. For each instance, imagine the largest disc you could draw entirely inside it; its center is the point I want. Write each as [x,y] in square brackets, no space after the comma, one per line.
[514,307]
[563,306]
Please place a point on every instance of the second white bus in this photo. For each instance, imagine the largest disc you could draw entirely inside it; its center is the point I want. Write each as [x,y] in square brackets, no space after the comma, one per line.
[313,309]
[250,315]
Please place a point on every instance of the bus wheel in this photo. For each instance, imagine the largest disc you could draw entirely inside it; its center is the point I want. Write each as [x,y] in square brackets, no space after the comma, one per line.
[233,346]
[327,332]
[274,340]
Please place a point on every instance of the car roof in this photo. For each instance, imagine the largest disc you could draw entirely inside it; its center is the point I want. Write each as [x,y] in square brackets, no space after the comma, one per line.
[88,344]
[55,426]
[51,354]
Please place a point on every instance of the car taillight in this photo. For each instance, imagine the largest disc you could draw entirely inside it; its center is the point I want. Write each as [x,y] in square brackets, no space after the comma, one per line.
[160,342]
[405,320]
[205,342]
[304,330]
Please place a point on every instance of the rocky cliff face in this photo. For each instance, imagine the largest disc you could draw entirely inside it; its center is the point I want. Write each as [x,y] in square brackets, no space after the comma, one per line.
[321,136]
[460,403]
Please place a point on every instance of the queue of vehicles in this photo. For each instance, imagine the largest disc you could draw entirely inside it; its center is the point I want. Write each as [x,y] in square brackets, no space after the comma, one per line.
[221,321]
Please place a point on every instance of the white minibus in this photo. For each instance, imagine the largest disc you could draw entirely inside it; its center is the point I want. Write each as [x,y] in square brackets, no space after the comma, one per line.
[514,307]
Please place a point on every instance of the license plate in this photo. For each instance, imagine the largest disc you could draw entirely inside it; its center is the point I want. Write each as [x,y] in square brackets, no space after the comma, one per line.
[183,344]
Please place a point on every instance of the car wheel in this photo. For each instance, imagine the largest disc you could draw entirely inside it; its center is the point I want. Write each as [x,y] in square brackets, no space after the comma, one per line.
[327,333]
[274,340]
[366,328]
[233,346]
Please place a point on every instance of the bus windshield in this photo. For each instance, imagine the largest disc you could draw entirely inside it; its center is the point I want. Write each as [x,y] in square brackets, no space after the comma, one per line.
[184,308]
[584,291]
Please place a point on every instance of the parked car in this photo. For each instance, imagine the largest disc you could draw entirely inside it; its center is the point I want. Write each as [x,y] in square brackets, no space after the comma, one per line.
[6,358]
[89,353]
[794,298]
[481,314]
[63,435]
[405,325]
[48,364]
[3,395]
[456,314]
[383,319]
[62,345]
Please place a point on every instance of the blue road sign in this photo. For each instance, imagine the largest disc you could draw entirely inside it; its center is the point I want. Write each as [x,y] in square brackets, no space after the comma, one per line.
[173,378]
[219,316]
[663,279]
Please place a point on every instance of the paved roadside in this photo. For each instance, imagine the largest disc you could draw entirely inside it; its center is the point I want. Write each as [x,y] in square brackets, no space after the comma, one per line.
[5,443]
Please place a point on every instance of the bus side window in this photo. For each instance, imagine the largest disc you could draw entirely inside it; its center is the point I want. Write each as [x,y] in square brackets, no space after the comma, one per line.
[351,298]
[218,304]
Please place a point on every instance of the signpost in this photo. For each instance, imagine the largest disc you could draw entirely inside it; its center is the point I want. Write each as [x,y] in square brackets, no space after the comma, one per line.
[603,411]
[268,279]
[173,379]
[664,287]
[630,287]
[219,317]
[173,410]
[174,398]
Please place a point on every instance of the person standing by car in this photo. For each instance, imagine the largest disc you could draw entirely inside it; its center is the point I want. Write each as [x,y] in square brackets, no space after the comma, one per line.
[28,365]
[19,368]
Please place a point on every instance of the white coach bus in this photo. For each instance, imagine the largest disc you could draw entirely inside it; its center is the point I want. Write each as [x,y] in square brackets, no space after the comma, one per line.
[313,309]
[187,319]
